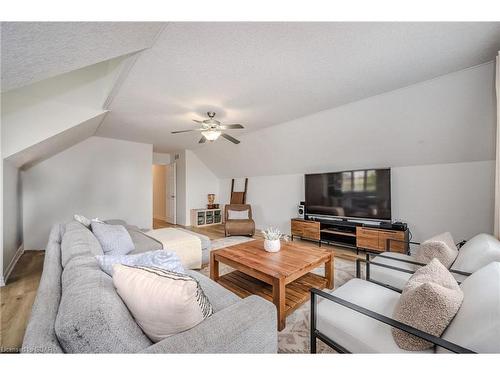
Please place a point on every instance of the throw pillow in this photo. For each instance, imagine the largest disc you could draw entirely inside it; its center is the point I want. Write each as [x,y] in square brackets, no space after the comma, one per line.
[114,239]
[82,220]
[237,215]
[160,258]
[163,303]
[429,302]
[441,247]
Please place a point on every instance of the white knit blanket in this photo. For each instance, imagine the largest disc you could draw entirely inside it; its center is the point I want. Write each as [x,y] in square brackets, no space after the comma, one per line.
[185,245]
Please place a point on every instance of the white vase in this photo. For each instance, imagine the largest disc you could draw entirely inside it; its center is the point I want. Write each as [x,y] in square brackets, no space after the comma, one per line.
[272,246]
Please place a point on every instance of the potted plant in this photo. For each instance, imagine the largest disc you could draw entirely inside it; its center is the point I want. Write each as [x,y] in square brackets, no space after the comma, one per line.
[272,237]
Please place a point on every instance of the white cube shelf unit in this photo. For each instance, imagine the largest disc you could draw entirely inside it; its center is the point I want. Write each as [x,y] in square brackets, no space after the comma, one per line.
[202,217]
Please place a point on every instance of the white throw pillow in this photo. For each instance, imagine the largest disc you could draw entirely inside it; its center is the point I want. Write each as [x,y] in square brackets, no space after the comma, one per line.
[441,247]
[163,303]
[477,324]
[237,215]
[82,220]
[478,252]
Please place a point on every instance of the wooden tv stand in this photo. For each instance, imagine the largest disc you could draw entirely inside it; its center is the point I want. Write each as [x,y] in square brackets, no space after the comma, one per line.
[349,234]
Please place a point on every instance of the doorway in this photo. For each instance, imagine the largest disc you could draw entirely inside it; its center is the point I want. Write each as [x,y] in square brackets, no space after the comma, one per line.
[164,194]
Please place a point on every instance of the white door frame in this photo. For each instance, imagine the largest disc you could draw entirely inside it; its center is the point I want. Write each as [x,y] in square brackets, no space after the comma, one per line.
[171,192]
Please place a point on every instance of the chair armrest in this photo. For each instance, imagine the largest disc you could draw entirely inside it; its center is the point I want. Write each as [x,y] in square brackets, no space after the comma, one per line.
[368,262]
[248,326]
[381,318]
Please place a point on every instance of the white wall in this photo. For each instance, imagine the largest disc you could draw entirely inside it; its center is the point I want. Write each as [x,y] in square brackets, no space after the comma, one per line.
[200,181]
[159,158]
[455,197]
[194,182]
[12,213]
[99,177]
[179,158]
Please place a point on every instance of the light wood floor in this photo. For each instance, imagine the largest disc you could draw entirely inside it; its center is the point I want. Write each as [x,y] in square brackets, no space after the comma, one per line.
[18,295]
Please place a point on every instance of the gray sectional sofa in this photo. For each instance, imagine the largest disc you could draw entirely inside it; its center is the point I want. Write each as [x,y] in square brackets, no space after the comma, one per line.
[77,309]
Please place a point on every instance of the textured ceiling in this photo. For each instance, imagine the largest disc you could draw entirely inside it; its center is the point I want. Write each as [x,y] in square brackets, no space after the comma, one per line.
[32,51]
[262,74]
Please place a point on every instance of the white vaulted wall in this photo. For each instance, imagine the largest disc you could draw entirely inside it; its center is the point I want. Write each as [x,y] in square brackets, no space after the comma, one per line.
[99,177]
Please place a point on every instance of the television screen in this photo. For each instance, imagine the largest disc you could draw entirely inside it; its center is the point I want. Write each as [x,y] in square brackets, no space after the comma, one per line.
[357,194]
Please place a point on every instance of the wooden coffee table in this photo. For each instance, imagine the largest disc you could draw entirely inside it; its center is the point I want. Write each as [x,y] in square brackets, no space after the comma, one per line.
[283,278]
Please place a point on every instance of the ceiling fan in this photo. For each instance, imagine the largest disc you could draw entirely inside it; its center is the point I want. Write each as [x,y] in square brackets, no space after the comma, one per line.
[211,129]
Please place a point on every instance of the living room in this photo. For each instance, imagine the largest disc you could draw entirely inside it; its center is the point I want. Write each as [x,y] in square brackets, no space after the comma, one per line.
[250,187]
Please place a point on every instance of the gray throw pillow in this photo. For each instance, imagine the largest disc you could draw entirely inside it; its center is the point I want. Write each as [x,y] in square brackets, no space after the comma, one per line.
[114,239]
[162,259]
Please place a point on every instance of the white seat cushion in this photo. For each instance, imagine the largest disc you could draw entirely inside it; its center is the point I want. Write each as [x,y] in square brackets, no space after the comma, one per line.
[477,323]
[391,277]
[354,331]
[478,252]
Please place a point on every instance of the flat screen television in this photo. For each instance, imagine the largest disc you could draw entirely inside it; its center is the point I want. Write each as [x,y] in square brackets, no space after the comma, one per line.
[363,194]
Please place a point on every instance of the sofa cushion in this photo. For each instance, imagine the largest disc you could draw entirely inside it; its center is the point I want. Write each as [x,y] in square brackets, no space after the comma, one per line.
[429,301]
[163,303]
[476,253]
[114,239]
[92,318]
[356,332]
[441,247]
[160,258]
[477,324]
[78,241]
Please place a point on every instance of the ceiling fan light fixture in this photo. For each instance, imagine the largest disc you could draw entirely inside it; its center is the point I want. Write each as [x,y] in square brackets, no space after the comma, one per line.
[211,135]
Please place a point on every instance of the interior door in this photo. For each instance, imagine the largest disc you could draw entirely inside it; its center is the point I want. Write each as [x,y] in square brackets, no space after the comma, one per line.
[171,194]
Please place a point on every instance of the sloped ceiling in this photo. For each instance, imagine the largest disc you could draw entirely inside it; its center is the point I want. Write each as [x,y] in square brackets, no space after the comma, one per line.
[449,119]
[33,51]
[263,74]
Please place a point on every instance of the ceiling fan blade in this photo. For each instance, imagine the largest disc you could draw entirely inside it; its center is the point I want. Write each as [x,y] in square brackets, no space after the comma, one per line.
[198,121]
[232,126]
[192,130]
[202,140]
[229,138]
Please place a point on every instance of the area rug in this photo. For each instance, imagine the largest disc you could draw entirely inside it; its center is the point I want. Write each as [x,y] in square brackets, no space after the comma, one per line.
[295,337]
[219,243]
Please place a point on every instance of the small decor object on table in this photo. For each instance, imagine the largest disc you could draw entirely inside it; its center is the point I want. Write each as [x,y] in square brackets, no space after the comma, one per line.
[272,237]
[211,200]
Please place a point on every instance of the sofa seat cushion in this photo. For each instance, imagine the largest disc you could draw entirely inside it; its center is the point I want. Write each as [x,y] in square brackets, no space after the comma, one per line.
[78,241]
[477,324]
[354,331]
[476,253]
[429,301]
[387,276]
[441,247]
[219,297]
[92,318]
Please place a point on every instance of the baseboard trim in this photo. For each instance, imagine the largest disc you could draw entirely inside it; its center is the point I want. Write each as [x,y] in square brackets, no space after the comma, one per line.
[17,255]
[2,283]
